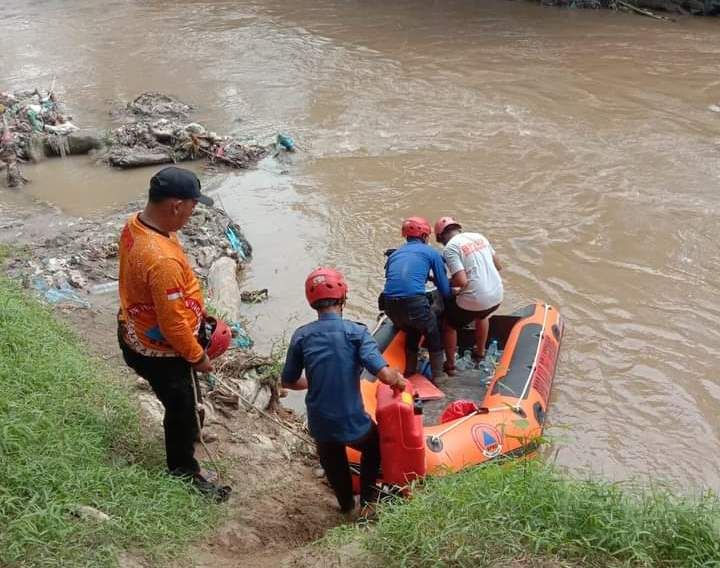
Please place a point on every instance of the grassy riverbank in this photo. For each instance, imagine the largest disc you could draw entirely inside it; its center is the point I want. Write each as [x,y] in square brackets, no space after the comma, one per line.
[70,436]
[491,515]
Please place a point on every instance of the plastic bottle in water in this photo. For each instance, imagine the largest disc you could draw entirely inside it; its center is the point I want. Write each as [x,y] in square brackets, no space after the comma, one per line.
[489,362]
[465,362]
[493,352]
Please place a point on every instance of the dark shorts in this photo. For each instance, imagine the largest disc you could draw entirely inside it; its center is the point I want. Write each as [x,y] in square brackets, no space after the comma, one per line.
[459,318]
[414,316]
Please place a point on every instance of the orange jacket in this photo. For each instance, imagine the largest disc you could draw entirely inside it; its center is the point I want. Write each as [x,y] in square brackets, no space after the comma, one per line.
[161,304]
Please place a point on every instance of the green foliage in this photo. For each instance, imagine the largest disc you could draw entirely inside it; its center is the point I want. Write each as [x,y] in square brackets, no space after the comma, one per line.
[278,350]
[70,437]
[340,536]
[488,515]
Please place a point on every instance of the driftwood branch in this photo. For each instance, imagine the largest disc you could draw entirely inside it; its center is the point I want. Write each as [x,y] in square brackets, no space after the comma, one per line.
[214,156]
[642,11]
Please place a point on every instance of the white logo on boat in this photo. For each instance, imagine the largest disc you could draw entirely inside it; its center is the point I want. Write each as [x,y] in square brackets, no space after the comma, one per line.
[487,439]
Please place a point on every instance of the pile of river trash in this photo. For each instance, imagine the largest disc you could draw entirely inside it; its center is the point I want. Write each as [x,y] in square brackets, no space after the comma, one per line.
[156,130]
[644,7]
[31,121]
[82,260]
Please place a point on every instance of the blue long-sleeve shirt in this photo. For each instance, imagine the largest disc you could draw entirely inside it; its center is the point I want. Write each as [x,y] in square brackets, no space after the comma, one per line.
[408,268]
[333,352]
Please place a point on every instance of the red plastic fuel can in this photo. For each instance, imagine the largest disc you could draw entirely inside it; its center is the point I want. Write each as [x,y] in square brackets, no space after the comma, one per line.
[402,442]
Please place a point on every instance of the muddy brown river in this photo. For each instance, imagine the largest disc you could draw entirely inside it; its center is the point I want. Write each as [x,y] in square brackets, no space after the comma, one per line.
[581,143]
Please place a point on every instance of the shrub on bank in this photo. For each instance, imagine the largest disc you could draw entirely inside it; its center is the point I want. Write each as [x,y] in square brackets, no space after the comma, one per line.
[70,437]
[482,516]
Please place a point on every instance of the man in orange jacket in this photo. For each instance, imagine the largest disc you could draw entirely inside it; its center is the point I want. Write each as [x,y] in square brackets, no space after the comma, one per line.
[161,314]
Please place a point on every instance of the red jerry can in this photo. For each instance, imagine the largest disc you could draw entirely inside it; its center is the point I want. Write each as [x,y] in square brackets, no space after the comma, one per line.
[402,443]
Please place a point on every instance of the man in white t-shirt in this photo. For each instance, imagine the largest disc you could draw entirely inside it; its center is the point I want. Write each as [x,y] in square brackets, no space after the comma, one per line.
[474,269]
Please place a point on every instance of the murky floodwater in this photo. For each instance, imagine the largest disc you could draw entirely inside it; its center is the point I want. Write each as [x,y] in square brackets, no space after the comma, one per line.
[579,142]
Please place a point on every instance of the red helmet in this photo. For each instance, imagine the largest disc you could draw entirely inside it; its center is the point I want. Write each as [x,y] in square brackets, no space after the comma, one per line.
[416,227]
[442,224]
[325,284]
[220,337]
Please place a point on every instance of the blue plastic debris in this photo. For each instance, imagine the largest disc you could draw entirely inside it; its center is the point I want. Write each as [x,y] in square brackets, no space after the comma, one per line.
[234,242]
[240,338]
[286,142]
[237,242]
[64,295]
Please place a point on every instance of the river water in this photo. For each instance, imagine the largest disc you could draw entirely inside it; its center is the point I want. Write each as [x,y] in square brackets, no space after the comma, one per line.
[581,143]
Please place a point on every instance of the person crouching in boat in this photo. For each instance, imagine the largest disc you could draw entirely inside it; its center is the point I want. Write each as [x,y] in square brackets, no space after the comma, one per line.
[333,351]
[474,268]
[404,299]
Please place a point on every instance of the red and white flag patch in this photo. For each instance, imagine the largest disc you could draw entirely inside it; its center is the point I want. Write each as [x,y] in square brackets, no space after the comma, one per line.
[174,293]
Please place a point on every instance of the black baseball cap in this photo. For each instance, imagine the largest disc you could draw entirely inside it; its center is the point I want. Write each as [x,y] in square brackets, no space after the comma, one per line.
[178,183]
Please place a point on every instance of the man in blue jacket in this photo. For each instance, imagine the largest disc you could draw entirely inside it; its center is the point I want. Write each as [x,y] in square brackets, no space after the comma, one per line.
[405,301]
[333,351]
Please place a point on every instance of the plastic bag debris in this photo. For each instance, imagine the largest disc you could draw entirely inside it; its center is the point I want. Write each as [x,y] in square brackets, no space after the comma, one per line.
[237,242]
[104,288]
[63,295]
[240,338]
[286,142]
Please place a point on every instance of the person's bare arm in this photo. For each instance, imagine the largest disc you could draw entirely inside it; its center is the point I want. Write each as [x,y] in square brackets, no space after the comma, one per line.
[497,263]
[300,384]
[392,377]
[459,279]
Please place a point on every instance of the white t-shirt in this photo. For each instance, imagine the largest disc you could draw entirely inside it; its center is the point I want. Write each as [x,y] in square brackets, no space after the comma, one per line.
[472,253]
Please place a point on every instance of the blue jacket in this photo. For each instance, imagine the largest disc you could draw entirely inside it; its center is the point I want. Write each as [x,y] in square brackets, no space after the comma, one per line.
[408,268]
[333,352]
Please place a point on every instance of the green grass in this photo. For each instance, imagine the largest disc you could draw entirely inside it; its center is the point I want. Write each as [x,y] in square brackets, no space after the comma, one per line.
[492,514]
[71,436]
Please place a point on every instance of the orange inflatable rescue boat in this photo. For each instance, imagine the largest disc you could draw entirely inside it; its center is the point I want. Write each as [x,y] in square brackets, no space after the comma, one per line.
[479,414]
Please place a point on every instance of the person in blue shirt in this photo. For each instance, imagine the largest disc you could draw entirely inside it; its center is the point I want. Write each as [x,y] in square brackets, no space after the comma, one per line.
[333,352]
[404,298]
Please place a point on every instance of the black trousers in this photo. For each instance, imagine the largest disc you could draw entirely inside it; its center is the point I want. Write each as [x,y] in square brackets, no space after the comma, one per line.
[414,316]
[335,463]
[171,380]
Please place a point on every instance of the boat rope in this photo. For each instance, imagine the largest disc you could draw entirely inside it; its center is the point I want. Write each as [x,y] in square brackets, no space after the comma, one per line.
[267,415]
[456,423]
[380,320]
[514,408]
[537,355]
